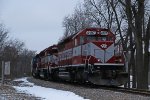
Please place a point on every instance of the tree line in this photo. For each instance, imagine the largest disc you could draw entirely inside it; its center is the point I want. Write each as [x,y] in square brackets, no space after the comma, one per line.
[14,50]
[130,22]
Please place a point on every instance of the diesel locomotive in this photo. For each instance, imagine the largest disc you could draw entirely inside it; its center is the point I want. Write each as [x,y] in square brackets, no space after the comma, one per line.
[90,55]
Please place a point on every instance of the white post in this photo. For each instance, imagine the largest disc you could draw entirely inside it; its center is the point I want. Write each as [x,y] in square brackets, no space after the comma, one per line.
[2,72]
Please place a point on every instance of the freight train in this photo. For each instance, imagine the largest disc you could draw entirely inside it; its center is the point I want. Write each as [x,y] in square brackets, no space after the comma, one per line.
[90,55]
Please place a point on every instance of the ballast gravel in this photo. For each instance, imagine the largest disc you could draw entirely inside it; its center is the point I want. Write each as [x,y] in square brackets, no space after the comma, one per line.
[89,93]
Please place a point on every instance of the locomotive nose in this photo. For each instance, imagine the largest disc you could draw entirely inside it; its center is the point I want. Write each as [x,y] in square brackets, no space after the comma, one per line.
[104,51]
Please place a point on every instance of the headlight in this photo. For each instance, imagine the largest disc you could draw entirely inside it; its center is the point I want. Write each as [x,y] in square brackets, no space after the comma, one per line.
[99,60]
[120,60]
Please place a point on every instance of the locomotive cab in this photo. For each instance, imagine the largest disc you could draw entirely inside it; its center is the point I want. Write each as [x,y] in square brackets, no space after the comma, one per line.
[99,56]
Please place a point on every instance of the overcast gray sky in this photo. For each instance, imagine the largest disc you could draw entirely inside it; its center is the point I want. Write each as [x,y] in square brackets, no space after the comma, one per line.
[38,23]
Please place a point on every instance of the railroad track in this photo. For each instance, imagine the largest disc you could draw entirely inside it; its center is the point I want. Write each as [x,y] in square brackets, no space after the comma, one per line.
[112,88]
[134,91]
[124,90]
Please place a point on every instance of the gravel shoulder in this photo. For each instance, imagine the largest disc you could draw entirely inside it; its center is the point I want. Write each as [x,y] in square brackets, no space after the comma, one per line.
[7,92]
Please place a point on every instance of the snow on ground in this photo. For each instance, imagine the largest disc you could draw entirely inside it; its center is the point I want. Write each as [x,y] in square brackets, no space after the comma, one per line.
[45,93]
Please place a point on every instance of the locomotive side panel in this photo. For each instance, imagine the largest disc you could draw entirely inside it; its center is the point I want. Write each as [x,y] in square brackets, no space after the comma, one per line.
[65,57]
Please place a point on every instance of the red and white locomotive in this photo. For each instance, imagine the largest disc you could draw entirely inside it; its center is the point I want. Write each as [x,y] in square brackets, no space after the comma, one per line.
[89,55]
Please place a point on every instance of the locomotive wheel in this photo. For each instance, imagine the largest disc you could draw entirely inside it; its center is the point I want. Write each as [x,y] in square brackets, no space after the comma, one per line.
[45,72]
[54,75]
[81,76]
[35,73]
[72,75]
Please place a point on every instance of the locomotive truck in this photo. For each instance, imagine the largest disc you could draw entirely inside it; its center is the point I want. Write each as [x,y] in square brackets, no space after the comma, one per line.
[90,55]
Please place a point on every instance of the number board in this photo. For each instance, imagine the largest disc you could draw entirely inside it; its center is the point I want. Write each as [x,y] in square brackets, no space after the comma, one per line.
[90,32]
[94,33]
[104,33]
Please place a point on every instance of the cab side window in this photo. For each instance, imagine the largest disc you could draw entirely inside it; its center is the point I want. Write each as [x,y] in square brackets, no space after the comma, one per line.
[81,40]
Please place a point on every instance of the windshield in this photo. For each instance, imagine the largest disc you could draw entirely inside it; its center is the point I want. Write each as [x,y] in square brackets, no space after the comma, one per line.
[84,39]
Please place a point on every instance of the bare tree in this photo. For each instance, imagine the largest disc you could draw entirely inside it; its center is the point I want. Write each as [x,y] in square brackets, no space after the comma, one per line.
[19,56]
[24,62]
[135,12]
[76,22]
[15,52]
[100,12]
[3,37]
